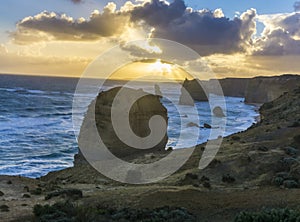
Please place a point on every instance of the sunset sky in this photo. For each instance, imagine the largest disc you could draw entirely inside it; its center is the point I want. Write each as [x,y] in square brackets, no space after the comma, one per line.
[235,38]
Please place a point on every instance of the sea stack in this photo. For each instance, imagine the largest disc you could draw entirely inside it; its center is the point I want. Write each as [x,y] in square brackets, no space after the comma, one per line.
[140,113]
[191,90]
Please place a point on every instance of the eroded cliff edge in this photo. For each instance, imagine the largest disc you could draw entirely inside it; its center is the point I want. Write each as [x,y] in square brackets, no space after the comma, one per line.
[254,90]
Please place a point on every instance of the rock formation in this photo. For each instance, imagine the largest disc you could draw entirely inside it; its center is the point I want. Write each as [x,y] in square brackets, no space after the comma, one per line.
[157,90]
[254,90]
[139,115]
[235,87]
[218,111]
[266,89]
[192,90]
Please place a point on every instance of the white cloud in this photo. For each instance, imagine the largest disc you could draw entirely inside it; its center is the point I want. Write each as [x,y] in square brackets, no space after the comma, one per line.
[281,35]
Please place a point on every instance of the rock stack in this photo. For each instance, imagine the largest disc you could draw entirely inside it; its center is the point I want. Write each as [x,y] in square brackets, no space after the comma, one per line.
[139,115]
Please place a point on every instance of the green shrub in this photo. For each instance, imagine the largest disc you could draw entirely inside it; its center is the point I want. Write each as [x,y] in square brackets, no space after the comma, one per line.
[62,212]
[68,212]
[236,138]
[273,215]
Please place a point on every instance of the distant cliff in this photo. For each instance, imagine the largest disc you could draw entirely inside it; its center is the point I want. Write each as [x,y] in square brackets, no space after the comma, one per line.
[235,87]
[254,90]
[266,89]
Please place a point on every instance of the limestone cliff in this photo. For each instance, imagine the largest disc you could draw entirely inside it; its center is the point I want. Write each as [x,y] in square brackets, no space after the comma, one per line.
[139,115]
[254,90]
[266,89]
[234,87]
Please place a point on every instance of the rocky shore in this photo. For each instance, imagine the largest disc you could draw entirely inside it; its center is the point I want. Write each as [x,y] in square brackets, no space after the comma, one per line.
[254,169]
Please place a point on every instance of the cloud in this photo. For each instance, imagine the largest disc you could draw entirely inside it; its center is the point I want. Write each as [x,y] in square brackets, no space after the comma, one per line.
[14,62]
[281,35]
[77,1]
[47,26]
[158,13]
[141,48]
[205,31]
[3,49]
[297,6]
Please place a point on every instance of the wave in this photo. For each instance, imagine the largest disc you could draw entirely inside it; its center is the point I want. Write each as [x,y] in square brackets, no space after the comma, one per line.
[36,129]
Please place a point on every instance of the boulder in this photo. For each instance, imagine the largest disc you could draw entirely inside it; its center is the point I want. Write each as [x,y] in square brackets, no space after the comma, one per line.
[206,125]
[218,112]
[191,124]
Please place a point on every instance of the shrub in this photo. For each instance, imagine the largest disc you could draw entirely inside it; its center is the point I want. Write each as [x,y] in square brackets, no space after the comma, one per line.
[4,208]
[63,212]
[68,212]
[297,139]
[228,178]
[235,137]
[273,215]
[69,193]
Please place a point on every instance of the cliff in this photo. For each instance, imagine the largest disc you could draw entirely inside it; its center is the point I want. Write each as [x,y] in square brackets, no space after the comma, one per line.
[235,87]
[266,89]
[254,90]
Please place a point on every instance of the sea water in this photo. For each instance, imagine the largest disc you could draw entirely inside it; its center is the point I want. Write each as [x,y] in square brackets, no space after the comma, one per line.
[37,134]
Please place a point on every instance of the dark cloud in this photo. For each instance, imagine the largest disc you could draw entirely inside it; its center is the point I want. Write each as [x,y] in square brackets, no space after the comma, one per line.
[159,13]
[207,32]
[77,1]
[54,26]
[297,6]
[204,31]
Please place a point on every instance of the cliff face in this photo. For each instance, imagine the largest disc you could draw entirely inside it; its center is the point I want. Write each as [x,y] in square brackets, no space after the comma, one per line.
[139,115]
[254,90]
[268,153]
[266,89]
[235,87]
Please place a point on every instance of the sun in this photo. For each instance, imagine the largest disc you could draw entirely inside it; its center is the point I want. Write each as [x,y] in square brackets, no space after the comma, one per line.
[160,67]
[150,70]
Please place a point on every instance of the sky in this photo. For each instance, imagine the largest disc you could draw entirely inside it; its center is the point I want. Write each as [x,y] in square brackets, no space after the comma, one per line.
[235,38]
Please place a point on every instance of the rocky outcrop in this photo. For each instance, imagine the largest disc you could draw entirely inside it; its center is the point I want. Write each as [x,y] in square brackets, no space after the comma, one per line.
[191,89]
[234,87]
[139,115]
[218,112]
[266,89]
[254,90]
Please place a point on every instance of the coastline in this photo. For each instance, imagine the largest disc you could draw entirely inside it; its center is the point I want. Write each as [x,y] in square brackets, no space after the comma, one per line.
[251,159]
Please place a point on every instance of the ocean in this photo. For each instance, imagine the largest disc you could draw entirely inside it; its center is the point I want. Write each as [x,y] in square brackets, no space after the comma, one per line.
[37,134]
